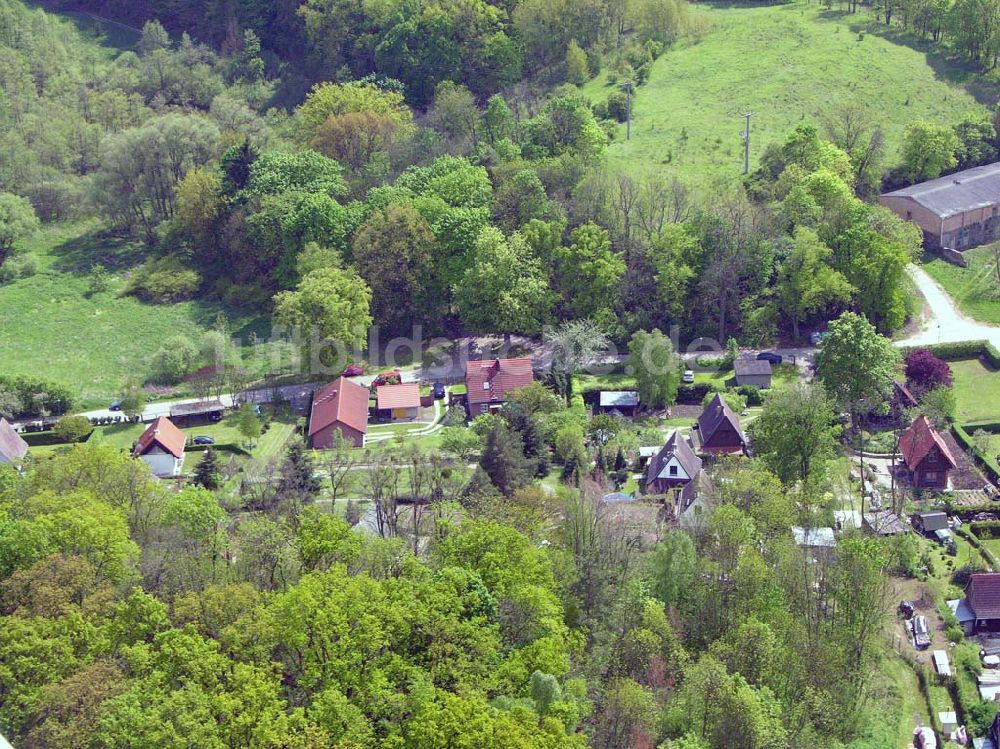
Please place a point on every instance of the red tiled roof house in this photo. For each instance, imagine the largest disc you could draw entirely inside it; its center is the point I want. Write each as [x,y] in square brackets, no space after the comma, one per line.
[161,447]
[340,407]
[982,595]
[489,382]
[719,430]
[926,455]
[13,448]
[398,402]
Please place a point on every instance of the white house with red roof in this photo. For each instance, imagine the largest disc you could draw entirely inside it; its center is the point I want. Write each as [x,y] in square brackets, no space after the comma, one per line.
[398,402]
[161,446]
[490,381]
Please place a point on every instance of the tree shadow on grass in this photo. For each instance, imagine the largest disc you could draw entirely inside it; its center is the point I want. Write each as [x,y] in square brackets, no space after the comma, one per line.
[79,255]
[983,87]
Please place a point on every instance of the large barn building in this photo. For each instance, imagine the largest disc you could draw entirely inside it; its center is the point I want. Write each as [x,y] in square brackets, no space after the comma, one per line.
[955,212]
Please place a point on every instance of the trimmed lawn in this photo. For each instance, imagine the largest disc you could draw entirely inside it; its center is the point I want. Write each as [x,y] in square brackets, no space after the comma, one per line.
[788,64]
[52,327]
[977,391]
[269,447]
[975,289]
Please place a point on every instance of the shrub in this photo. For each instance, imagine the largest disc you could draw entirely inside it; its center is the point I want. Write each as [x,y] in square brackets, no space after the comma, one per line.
[164,281]
[617,106]
[73,428]
[175,359]
[924,371]
[752,394]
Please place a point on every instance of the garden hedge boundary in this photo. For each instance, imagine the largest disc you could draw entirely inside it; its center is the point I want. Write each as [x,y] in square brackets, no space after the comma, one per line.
[963,350]
[985,462]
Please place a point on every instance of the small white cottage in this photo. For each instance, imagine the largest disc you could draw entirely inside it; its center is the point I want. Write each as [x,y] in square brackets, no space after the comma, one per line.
[161,446]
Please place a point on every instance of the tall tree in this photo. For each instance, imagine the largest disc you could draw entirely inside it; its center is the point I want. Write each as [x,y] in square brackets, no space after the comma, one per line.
[796,432]
[857,365]
[655,366]
[807,284]
[17,222]
[394,253]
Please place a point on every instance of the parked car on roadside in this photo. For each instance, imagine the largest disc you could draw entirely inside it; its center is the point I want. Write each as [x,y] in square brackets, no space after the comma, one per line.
[817,338]
[770,356]
[921,632]
[688,376]
[354,370]
[202,440]
[116,406]
[388,378]
[439,391]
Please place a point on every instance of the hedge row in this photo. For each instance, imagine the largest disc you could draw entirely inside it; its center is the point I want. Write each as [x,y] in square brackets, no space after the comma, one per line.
[986,554]
[37,439]
[993,427]
[985,528]
[963,350]
[985,462]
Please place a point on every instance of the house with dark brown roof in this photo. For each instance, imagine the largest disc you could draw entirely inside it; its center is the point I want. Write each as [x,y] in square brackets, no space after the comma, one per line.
[13,448]
[955,212]
[339,408]
[673,467]
[161,447]
[719,430]
[398,402]
[489,382]
[926,455]
[677,472]
[982,595]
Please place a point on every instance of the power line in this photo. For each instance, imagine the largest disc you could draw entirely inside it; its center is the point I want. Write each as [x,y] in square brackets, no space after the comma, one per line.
[746,143]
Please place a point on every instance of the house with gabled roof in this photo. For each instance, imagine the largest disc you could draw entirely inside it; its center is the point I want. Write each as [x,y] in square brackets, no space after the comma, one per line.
[719,431]
[339,408]
[926,456]
[955,212]
[13,448]
[982,595]
[161,447]
[677,472]
[752,371]
[674,467]
[398,402]
[490,381]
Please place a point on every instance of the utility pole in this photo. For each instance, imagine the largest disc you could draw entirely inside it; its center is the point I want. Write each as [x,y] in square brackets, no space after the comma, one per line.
[628,109]
[746,144]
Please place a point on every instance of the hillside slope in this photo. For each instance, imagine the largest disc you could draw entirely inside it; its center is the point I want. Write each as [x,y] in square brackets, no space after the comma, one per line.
[786,63]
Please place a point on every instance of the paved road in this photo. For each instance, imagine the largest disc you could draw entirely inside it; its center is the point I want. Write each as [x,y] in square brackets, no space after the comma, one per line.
[945,323]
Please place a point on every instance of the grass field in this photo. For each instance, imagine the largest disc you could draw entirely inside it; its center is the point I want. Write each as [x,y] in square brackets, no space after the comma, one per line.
[977,391]
[788,64]
[51,326]
[975,289]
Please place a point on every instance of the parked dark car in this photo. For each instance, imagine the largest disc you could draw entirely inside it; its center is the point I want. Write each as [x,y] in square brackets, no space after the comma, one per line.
[203,441]
[116,406]
[906,609]
[769,356]
[921,632]
[439,391]
[354,370]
